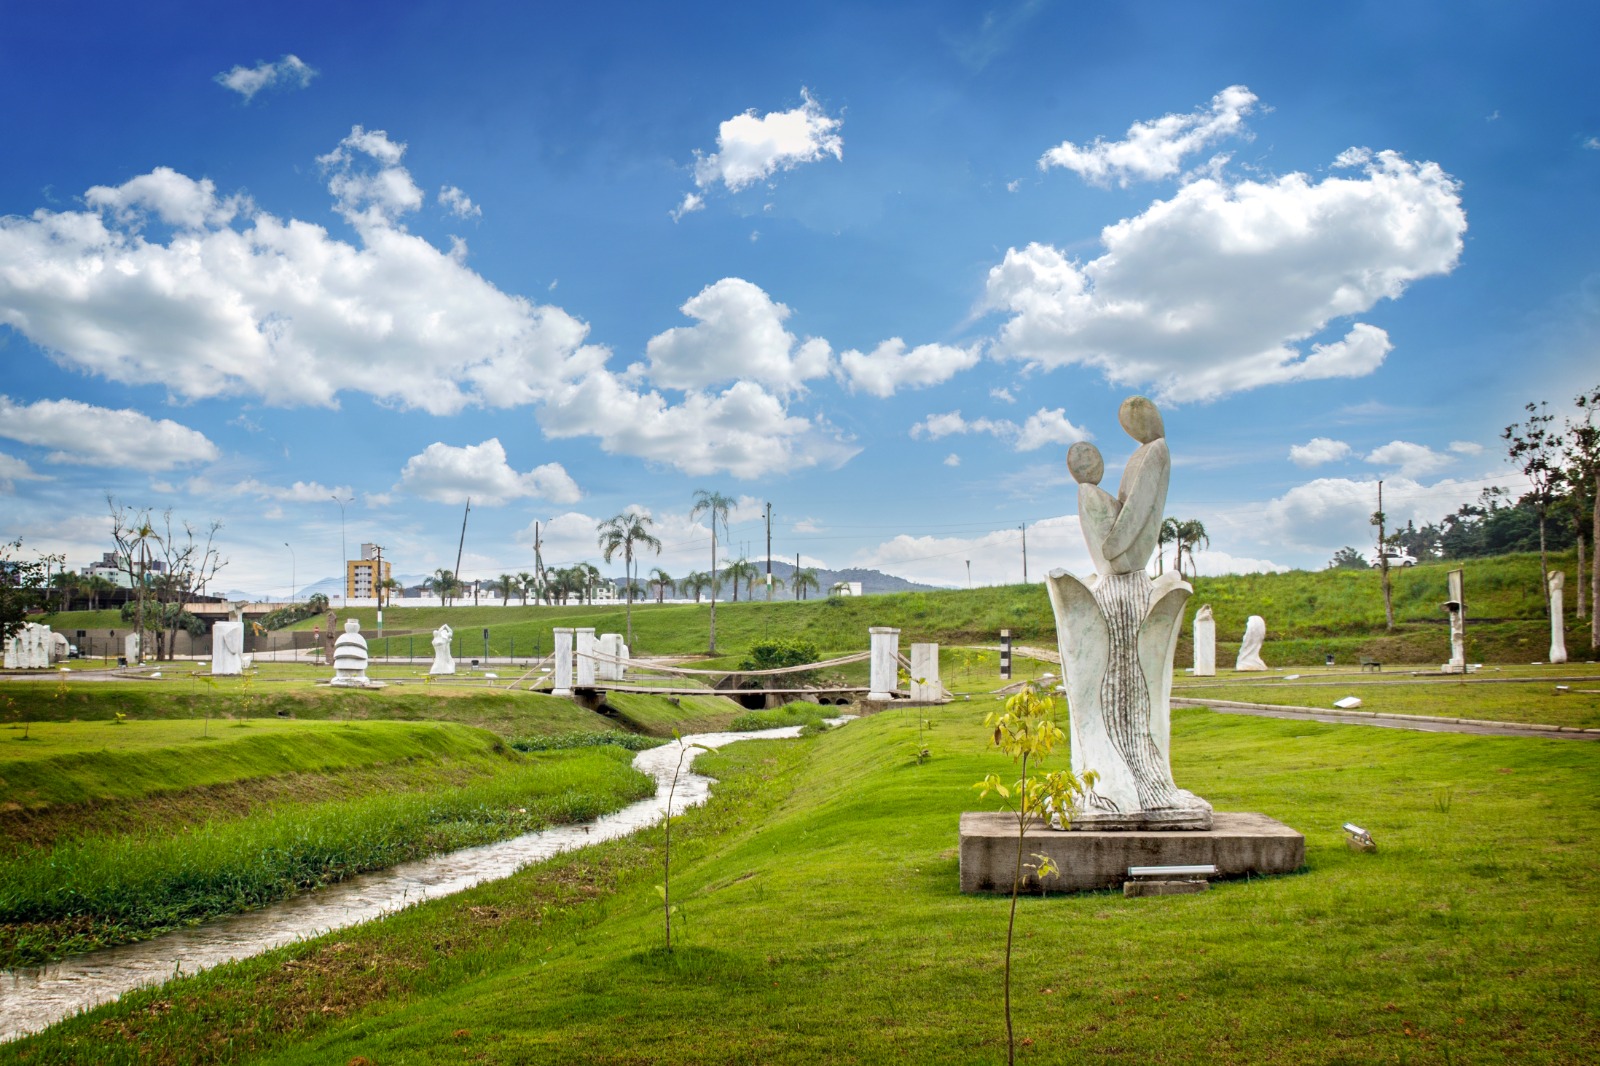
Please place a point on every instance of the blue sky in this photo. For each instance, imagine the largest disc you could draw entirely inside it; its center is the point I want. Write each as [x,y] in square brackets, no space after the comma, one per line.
[877,265]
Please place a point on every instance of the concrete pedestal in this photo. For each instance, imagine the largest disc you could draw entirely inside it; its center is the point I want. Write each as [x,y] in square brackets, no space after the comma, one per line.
[885,662]
[587,646]
[925,685]
[562,653]
[1237,844]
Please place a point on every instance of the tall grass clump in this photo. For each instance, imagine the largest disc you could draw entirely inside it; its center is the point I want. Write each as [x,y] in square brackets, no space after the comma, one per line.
[96,890]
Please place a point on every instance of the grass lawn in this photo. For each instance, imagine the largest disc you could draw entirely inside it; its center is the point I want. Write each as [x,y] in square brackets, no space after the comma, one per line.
[658,716]
[1503,697]
[821,922]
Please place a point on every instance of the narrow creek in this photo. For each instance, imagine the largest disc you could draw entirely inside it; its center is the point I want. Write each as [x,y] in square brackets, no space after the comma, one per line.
[33,998]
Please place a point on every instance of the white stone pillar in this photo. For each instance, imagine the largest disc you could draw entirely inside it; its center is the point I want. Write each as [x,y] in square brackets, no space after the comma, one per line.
[610,645]
[587,646]
[562,678]
[1205,643]
[132,648]
[1558,627]
[885,661]
[925,685]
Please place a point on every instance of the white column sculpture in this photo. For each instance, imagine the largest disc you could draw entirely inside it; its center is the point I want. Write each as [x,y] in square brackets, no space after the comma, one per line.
[925,685]
[132,648]
[1118,634]
[587,646]
[227,649]
[885,661]
[1255,634]
[562,653]
[1205,643]
[444,660]
[350,657]
[610,645]
[1558,628]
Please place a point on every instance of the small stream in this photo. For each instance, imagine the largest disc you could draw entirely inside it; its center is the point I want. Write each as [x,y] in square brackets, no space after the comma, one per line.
[36,997]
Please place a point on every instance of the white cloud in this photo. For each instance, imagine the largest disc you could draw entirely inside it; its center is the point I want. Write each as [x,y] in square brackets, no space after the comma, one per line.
[1048,427]
[289,72]
[996,556]
[1043,427]
[480,472]
[1211,563]
[458,203]
[952,459]
[369,197]
[299,492]
[278,309]
[1212,291]
[1318,450]
[692,202]
[744,430]
[1466,447]
[890,366]
[13,470]
[1592,143]
[1003,395]
[1155,149]
[1013,186]
[1409,460]
[1321,516]
[808,525]
[751,149]
[685,543]
[739,335]
[98,436]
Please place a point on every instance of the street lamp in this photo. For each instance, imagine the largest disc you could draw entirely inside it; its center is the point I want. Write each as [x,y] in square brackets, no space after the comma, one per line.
[292,575]
[344,555]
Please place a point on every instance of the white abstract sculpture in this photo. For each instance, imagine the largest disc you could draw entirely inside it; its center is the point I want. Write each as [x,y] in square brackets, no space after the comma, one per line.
[227,648]
[1118,635]
[1558,628]
[1205,643]
[29,648]
[443,661]
[610,646]
[350,658]
[133,648]
[1255,634]
[885,660]
[925,685]
[562,653]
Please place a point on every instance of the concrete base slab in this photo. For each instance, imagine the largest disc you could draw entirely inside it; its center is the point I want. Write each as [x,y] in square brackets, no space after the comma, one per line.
[1130,889]
[1237,844]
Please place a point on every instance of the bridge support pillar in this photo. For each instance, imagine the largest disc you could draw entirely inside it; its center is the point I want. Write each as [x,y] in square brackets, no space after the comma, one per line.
[587,646]
[885,662]
[562,678]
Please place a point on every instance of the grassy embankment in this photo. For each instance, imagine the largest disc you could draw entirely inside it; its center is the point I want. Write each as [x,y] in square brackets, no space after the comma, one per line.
[115,831]
[822,922]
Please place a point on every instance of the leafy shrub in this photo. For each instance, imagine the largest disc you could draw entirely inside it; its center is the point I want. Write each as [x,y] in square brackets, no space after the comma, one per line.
[562,741]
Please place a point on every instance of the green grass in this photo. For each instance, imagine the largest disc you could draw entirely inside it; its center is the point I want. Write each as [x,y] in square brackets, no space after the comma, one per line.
[822,922]
[658,716]
[96,890]
[84,762]
[799,713]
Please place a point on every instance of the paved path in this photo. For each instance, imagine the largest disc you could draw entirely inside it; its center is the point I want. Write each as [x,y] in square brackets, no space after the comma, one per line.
[1419,722]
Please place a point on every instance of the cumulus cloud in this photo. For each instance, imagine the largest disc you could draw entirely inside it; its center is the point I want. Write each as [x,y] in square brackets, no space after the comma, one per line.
[752,148]
[1003,395]
[458,203]
[692,202]
[1466,447]
[1408,460]
[1043,427]
[290,72]
[299,492]
[277,308]
[1155,149]
[13,470]
[685,543]
[1318,450]
[738,334]
[952,459]
[890,367]
[99,436]
[996,556]
[1214,290]
[1320,516]
[481,473]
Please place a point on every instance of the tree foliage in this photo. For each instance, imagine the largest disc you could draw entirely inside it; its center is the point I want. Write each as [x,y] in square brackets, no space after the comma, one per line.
[1347,558]
[22,588]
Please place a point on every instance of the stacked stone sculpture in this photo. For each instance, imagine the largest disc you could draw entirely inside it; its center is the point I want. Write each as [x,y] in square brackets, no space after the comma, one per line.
[1118,634]
[350,658]
[1205,643]
[1255,634]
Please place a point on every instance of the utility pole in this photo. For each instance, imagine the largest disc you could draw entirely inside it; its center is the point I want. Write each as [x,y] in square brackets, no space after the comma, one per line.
[344,552]
[1378,519]
[538,564]
[292,568]
[461,545]
[377,583]
[1024,528]
[969,574]
[796,574]
[769,552]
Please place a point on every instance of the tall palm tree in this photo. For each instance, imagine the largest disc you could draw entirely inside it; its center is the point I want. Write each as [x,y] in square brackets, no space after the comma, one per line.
[717,506]
[839,588]
[742,570]
[1171,530]
[696,582]
[507,585]
[526,583]
[662,581]
[1193,532]
[804,580]
[622,532]
[386,589]
[443,584]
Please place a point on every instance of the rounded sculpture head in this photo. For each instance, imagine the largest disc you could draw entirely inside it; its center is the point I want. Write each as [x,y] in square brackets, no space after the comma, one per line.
[1141,420]
[1085,464]
[352,626]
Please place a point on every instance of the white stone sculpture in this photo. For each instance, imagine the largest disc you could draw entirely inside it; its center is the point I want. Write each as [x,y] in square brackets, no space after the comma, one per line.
[587,646]
[1118,634]
[133,648]
[1205,643]
[884,663]
[1558,628]
[227,648]
[1255,634]
[562,653]
[925,685]
[610,646]
[350,658]
[444,662]
[29,648]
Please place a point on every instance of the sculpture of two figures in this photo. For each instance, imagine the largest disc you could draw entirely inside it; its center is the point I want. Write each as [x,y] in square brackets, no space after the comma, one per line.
[443,661]
[1118,633]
